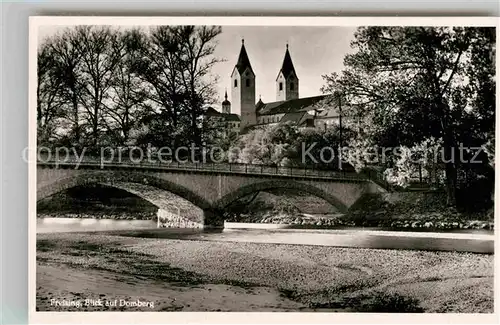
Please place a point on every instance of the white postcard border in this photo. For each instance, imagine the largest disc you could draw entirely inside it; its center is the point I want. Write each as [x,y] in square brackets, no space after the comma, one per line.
[221,317]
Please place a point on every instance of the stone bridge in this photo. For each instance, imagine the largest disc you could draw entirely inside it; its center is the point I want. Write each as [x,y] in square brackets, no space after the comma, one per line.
[208,189]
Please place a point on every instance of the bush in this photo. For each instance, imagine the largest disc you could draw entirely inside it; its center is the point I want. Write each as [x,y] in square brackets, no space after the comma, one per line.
[285,207]
[382,302]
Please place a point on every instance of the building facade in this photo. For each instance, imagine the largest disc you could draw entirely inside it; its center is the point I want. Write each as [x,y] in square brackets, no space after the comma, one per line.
[227,121]
[317,111]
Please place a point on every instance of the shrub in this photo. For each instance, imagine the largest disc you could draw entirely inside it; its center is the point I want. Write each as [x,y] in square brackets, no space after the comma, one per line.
[382,302]
[285,207]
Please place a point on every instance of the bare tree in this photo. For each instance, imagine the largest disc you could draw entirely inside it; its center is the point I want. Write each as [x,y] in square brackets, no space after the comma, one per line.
[49,103]
[101,51]
[176,65]
[66,57]
[196,60]
[127,95]
[110,86]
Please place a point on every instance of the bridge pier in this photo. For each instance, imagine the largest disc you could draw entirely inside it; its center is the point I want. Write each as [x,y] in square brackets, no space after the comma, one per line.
[213,219]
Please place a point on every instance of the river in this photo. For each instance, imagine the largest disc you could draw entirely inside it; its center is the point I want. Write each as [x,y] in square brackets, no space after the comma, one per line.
[477,242]
[48,225]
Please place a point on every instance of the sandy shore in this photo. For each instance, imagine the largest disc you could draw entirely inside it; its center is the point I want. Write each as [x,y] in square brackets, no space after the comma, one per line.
[105,272]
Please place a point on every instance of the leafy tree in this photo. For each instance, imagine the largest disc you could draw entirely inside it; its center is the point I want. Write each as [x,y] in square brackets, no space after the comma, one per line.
[320,148]
[409,84]
[273,146]
[256,147]
[416,163]
[287,145]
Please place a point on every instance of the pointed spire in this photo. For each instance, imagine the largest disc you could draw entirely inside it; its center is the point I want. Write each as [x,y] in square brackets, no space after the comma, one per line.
[243,60]
[260,103]
[287,66]
[226,102]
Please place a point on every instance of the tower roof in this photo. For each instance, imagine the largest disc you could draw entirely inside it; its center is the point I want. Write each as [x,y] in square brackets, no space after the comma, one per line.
[226,102]
[294,105]
[287,66]
[243,60]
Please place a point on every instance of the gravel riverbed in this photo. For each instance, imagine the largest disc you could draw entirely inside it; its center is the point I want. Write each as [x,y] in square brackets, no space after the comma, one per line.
[195,275]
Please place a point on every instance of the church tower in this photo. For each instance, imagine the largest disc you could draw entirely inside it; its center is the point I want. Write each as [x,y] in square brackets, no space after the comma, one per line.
[287,83]
[243,89]
[226,105]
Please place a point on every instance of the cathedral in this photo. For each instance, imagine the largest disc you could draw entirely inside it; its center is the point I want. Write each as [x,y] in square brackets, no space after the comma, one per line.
[317,111]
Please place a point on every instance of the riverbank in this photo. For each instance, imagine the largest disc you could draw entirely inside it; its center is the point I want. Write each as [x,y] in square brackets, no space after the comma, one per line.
[398,211]
[431,221]
[193,275]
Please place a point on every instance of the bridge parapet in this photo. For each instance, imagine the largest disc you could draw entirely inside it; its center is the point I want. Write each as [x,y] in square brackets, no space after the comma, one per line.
[231,168]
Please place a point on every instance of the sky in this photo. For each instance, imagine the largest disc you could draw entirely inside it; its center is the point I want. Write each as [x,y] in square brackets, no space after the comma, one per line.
[315,51]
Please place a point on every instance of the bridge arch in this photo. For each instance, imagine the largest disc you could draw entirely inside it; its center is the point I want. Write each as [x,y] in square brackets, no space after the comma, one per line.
[278,184]
[148,187]
[116,178]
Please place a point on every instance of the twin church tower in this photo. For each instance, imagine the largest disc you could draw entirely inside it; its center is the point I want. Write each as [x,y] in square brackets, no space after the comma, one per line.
[243,81]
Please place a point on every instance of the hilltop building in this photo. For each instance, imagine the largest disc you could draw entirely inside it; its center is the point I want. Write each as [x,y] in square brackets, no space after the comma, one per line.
[229,122]
[316,111]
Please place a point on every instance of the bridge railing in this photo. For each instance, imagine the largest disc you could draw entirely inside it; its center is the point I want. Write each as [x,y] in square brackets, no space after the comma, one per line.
[216,167]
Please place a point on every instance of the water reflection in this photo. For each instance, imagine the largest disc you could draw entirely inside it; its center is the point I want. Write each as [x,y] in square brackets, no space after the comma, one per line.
[45,225]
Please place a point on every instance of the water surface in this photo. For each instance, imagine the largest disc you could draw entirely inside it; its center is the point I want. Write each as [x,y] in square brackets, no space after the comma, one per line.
[479,242]
[47,225]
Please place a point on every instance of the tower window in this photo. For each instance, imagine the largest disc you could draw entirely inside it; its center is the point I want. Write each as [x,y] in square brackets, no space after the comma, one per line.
[281,86]
[235,83]
[247,81]
[292,86]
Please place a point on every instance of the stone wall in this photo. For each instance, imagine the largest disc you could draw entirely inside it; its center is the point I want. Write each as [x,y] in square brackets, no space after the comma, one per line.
[173,220]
